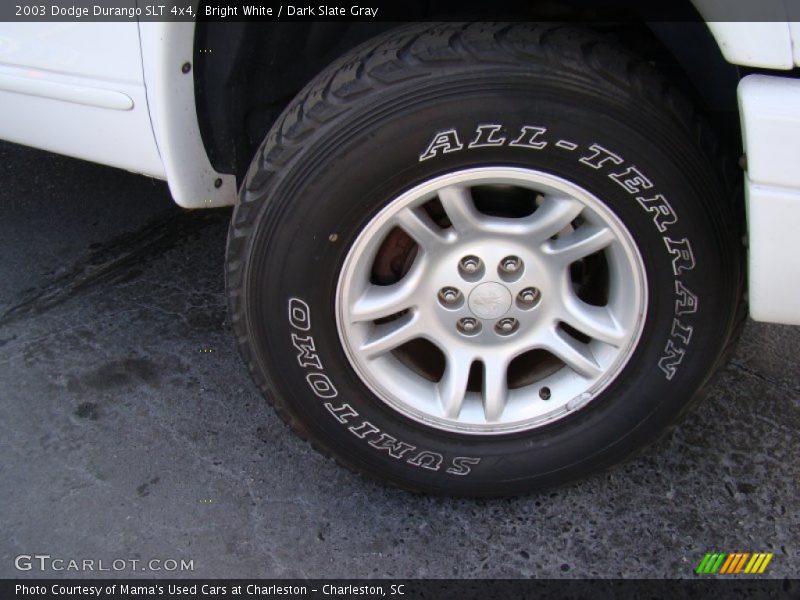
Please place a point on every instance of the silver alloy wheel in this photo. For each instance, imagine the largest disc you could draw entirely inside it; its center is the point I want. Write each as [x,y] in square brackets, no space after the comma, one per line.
[492,294]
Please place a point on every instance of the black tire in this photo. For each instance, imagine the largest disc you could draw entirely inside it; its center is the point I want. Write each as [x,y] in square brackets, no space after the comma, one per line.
[352,140]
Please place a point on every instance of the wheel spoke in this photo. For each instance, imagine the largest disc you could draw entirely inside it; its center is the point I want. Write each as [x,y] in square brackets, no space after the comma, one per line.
[460,208]
[419,225]
[586,240]
[553,215]
[495,386]
[453,386]
[595,321]
[379,301]
[574,354]
[389,336]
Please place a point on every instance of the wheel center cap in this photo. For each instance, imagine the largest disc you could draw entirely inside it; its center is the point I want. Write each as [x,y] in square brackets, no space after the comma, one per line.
[490,300]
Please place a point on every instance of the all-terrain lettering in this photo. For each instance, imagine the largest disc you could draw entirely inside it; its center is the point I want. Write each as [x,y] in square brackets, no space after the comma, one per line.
[444,142]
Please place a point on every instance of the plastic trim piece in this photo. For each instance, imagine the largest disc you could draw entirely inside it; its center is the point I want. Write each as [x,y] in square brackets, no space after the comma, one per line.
[167,50]
[767,45]
[67,92]
[753,34]
[770,112]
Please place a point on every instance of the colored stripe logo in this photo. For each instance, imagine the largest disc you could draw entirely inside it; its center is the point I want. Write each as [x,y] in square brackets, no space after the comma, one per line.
[733,564]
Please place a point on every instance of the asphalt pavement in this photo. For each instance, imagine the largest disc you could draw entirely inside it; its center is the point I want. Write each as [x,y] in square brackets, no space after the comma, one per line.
[130,429]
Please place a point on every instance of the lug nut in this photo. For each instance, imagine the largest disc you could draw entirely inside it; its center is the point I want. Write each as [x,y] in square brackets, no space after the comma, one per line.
[468,325]
[470,264]
[529,296]
[506,326]
[449,296]
[510,264]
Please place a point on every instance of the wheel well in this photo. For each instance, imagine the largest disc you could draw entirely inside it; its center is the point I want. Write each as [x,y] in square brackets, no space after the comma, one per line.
[247,72]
